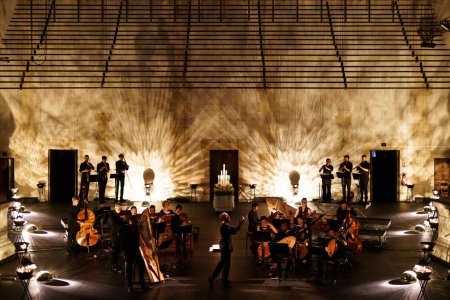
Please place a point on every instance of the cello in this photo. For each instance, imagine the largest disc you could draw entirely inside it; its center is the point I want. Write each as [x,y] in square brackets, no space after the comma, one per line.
[87,236]
[354,242]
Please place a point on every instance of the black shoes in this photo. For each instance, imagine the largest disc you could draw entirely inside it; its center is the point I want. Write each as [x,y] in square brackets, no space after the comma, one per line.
[226,284]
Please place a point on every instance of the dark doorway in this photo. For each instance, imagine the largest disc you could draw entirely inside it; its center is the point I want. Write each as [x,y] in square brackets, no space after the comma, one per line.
[384,179]
[231,160]
[62,175]
[6,178]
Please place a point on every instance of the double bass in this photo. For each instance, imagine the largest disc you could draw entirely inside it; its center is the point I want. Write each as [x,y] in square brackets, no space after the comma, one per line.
[87,236]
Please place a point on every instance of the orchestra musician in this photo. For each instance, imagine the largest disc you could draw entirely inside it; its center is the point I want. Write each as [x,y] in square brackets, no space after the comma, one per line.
[346,169]
[363,168]
[326,169]
[253,219]
[102,170]
[344,209]
[129,242]
[152,212]
[179,219]
[336,255]
[303,211]
[121,168]
[165,211]
[116,222]
[85,169]
[226,248]
[253,222]
[134,213]
[73,225]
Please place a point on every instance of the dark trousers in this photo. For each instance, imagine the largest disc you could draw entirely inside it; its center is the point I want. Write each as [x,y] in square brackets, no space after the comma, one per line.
[346,184]
[120,182]
[84,189]
[71,237]
[326,190]
[223,265]
[115,248]
[132,260]
[102,181]
[363,183]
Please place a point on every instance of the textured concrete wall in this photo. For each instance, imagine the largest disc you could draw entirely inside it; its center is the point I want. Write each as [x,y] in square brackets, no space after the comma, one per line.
[276,131]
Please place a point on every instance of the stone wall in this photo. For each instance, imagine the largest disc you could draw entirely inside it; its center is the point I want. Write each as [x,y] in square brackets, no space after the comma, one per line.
[172,131]
[275,131]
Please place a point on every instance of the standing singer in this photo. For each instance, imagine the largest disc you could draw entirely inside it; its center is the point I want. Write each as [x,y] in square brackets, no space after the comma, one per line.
[346,169]
[102,170]
[121,168]
[363,169]
[326,169]
[85,169]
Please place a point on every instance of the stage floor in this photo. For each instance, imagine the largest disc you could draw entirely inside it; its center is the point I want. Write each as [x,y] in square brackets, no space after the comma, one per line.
[373,274]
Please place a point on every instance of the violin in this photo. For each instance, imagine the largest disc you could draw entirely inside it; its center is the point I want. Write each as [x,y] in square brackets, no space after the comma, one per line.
[87,236]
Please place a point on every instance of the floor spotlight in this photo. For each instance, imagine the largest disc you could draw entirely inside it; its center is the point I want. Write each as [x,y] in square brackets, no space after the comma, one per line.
[409,276]
[44,276]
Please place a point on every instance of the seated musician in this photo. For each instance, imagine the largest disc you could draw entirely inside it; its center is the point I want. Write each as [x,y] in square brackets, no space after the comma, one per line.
[336,251]
[302,217]
[179,219]
[265,226]
[262,247]
[165,211]
[343,210]
[73,225]
[303,211]
[283,232]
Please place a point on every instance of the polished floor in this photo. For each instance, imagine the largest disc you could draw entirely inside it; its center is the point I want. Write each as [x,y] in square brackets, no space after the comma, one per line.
[374,274]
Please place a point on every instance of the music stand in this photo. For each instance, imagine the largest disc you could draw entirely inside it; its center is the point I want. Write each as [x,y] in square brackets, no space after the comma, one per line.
[340,174]
[164,245]
[158,228]
[182,230]
[327,176]
[277,222]
[356,176]
[278,251]
[113,176]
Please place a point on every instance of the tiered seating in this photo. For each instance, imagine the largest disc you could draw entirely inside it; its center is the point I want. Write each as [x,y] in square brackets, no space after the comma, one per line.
[222,44]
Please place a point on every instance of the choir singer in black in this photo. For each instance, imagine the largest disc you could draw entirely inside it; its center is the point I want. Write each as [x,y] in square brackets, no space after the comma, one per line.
[121,168]
[363,168]
[85,169]
[326,169]
[346,169]
[102,170]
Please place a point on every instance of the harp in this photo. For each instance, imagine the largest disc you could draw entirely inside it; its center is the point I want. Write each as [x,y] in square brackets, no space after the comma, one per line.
[148,249]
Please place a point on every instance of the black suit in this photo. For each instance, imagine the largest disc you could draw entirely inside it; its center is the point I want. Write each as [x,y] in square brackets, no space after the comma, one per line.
[364,180]
[346,179]
[73,227]
[102,179]
[84,186]
[226,247]
[121,167]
